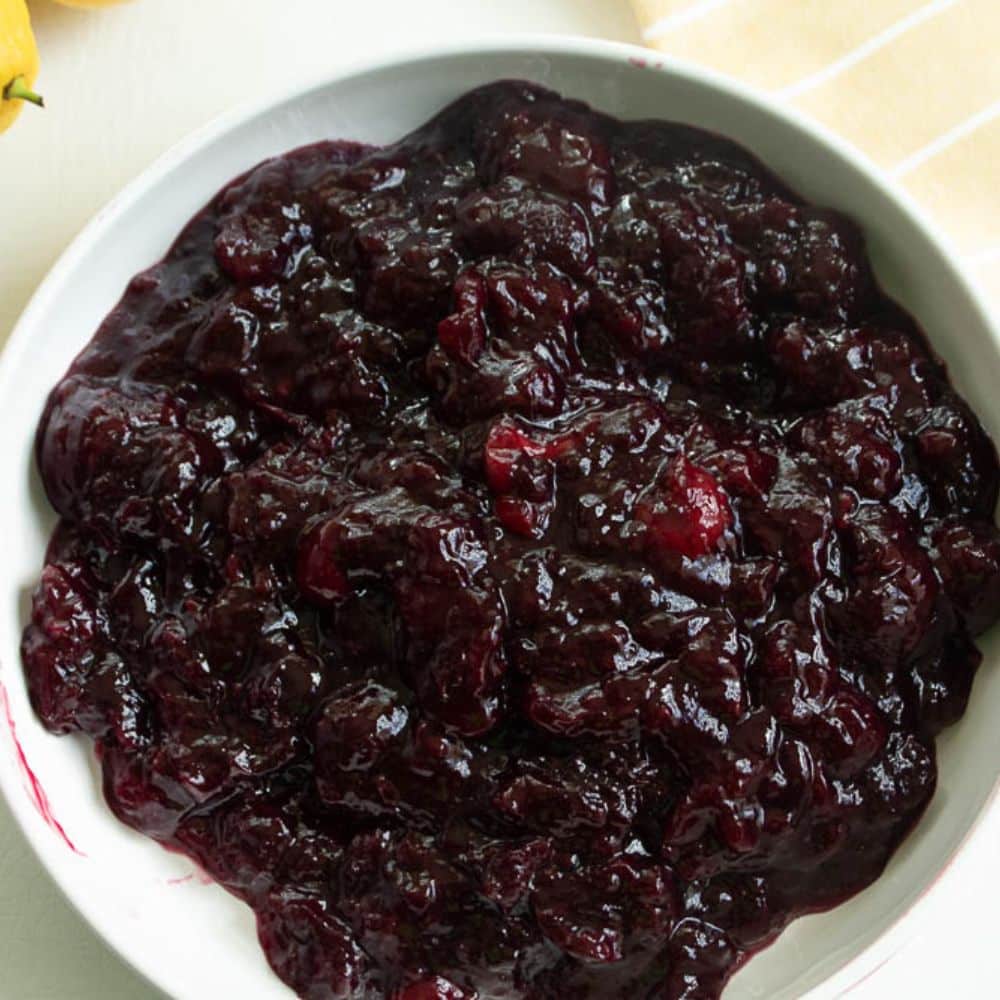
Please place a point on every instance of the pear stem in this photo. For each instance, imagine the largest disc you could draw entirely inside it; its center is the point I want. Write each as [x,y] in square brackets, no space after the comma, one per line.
[18,90]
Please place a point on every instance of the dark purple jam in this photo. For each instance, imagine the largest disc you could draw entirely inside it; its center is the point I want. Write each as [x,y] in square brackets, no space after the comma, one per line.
[530,560]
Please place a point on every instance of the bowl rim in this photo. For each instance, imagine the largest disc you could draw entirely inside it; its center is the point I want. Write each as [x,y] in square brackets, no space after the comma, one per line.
[872,957]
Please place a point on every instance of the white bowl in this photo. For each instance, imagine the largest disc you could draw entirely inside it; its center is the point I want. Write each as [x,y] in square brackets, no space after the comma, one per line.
[193,939]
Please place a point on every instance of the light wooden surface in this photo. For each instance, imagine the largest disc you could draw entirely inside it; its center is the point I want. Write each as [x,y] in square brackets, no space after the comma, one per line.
[125,83]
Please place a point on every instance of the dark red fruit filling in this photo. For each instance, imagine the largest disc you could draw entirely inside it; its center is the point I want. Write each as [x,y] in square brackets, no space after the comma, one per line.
[530,560]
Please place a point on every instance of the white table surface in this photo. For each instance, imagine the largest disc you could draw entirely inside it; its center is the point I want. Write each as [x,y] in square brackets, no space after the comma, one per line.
[122,85]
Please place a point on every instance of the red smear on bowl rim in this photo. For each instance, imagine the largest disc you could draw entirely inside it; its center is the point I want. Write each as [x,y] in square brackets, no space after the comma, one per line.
[32,785]
[871,972]
[198,878]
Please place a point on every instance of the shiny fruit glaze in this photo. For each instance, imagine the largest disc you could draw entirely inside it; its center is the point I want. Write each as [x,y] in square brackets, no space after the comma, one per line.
[532,559]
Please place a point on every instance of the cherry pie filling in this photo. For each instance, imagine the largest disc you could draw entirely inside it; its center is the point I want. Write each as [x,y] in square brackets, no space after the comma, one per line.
[532,559]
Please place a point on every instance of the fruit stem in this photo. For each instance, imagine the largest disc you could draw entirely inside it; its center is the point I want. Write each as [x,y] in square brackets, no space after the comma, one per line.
[18,90]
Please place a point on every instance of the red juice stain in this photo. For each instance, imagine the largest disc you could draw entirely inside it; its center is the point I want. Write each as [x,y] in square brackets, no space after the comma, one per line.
[868,975]
[32,785]
[198,878]
[639,63]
